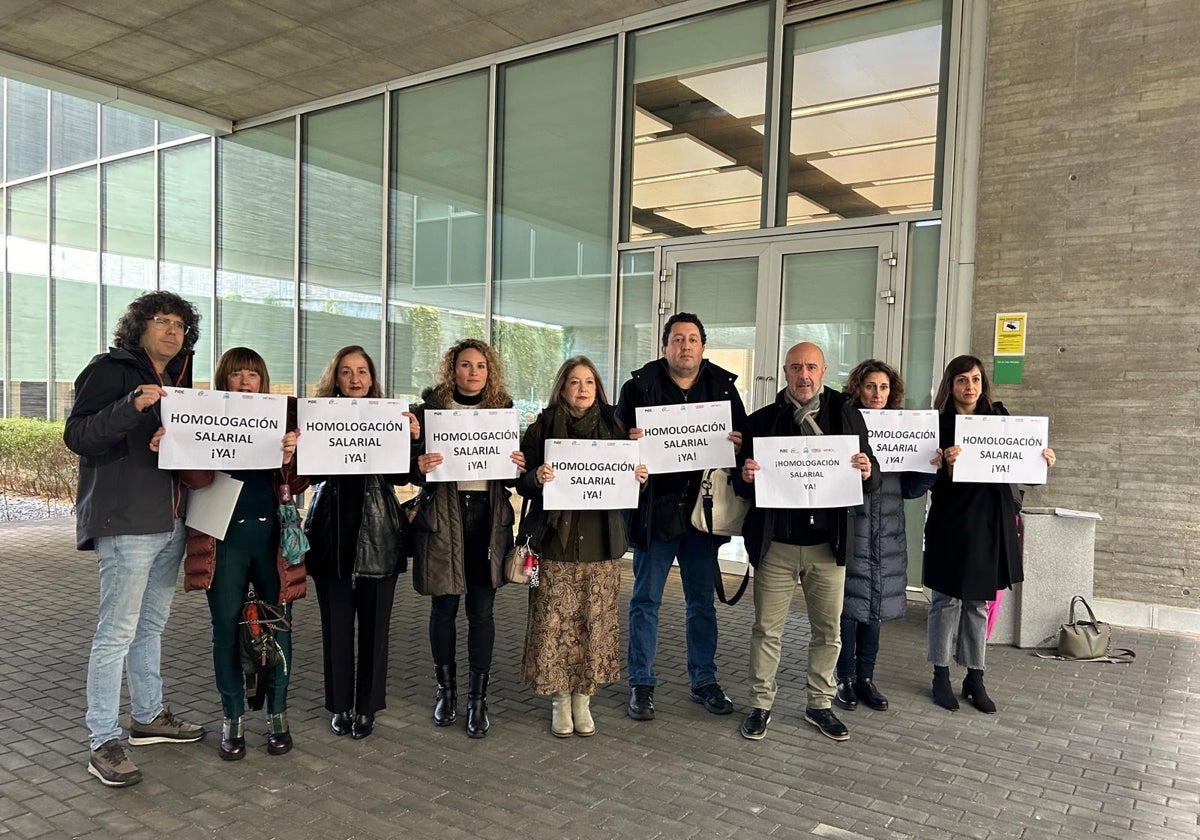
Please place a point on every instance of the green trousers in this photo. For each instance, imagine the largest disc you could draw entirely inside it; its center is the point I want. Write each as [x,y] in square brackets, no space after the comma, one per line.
[246,556]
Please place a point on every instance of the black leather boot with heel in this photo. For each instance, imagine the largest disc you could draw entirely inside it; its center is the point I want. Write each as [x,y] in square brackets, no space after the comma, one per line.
[973,690]
[445,707]
[477,718]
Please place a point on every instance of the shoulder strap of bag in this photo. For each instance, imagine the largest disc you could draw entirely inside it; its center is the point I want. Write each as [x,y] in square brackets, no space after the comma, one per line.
[1116,656]
[718,576]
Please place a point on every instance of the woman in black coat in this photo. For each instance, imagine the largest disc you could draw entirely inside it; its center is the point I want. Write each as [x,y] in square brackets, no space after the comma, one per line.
[971,548]
[355,530]
[877,572]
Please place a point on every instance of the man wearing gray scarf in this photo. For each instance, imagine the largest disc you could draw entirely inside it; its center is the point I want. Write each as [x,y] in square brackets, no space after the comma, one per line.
[808,544]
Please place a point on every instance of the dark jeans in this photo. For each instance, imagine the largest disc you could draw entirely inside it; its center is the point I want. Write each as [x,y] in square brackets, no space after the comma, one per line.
[481,627]
[369,601]
[247,555]
[860,647]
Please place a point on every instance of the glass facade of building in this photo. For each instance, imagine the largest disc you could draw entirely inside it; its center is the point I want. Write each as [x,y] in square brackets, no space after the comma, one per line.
[546,203]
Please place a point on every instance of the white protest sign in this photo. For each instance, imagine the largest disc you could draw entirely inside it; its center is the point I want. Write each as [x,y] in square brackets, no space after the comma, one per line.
[807,471]
[210,508]
[591,475]
[688,436]
[903,441]
[475,444]
[221,430]
[997,449]
[344,436]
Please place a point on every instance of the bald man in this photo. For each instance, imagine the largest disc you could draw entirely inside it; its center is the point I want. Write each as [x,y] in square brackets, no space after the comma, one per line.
[798,543]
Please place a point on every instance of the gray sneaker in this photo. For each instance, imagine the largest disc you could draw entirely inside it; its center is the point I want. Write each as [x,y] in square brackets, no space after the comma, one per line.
[164,729]
[111,765]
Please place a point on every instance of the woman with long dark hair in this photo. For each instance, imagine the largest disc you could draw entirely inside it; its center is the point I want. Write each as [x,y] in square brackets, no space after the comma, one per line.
[971,547]
[572,642]
[356,530]
[461,534]
[877,571]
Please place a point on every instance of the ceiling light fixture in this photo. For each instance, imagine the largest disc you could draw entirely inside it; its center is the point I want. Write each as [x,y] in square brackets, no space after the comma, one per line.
[864,101]
[675,176]
[881,147]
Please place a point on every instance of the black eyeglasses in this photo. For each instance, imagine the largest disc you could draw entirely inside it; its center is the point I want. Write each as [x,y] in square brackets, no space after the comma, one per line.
[171,324]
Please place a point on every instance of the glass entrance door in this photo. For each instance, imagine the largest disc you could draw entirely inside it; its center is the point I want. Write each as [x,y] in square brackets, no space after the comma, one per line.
[757,299]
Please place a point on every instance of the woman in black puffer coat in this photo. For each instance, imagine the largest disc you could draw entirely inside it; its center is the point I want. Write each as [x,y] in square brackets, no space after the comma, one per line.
[877,573]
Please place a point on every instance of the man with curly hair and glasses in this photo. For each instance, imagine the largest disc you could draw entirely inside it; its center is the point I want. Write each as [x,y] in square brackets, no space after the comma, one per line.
[130,513]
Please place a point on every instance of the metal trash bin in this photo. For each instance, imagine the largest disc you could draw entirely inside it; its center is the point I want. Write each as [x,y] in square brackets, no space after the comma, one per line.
[1059,564]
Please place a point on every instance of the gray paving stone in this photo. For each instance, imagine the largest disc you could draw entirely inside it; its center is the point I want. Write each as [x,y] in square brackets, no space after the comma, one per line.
[1075,752]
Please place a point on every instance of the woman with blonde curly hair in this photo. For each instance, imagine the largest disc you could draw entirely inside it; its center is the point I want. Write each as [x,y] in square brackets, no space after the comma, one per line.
[462,532]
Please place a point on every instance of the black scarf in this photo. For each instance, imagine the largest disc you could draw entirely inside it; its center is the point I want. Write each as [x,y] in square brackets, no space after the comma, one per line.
[565,425]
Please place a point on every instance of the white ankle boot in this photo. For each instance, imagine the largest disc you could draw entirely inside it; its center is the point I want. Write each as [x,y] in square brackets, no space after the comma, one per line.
[561,723]
[581,711]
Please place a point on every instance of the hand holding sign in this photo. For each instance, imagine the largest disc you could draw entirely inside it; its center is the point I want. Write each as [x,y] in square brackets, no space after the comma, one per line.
[687,436]
[793,471]
[590,475]
[221,430]
[471,444]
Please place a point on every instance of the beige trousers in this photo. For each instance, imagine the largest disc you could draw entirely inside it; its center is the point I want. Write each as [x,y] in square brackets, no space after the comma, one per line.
[824,583]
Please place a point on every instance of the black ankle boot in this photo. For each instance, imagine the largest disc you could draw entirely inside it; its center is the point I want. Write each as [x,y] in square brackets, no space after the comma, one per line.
[866,692]
[477,719]
[445,708]
[279,737]
[974,691]
[233,744]
[943,694]
[845,698]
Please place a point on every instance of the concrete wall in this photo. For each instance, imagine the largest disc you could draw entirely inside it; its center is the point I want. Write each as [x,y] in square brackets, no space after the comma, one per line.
[1088,216]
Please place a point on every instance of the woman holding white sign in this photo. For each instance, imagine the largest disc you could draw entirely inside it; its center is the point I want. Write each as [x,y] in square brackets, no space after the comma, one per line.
[572,642]
[462,531]
[971,545]
[356,529]
[877,571]
[250,555]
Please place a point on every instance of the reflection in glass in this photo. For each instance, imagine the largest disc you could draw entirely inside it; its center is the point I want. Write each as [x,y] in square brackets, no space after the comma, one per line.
[341,233]
[829,299]
[185,258]
[699,95]
[74,271]
[256,227]
[554,266]
[127,235]
[724,293]
[864,90]
[72,130]
[637,342]
[27,265]
[438,236]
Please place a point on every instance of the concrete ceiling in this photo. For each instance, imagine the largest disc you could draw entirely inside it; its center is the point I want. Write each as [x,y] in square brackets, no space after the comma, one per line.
[239,59]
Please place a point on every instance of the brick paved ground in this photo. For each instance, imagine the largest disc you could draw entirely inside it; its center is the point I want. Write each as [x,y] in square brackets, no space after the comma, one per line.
[1076,751]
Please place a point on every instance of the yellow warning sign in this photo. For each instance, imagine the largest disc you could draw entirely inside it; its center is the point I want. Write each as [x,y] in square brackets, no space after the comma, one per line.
[1010,334]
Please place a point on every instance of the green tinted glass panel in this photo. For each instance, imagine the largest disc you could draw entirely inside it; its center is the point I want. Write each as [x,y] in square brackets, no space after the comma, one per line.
[72,130]
[28,261]
[256,226]
[127,234]
[74,272]
[341,233]
[185,256]
[552,295]
[438,201]
[26,124]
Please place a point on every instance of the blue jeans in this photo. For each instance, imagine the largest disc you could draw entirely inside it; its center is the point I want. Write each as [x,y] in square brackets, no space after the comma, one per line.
[650,570]
[138,574]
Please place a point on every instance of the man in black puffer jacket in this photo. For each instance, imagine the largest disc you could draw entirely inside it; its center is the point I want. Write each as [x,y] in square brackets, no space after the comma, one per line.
[660,529]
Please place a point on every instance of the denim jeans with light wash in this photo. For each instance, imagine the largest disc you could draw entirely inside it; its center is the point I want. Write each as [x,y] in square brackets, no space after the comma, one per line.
[650,570]
[138,574]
